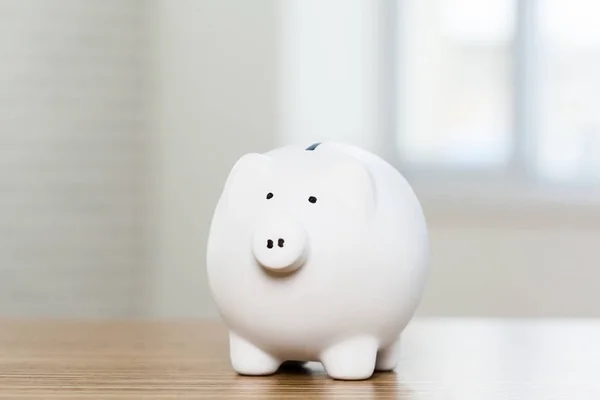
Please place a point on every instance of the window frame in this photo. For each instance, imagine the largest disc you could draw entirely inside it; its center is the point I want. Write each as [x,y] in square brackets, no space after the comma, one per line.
[517,187]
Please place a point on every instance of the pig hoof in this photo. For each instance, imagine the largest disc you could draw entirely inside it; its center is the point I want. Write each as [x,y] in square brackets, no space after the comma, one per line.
[247,359]
[352,359]
[387,357]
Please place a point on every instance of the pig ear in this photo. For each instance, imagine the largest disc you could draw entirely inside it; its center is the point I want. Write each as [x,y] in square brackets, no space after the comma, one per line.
[250,170]
[353,187]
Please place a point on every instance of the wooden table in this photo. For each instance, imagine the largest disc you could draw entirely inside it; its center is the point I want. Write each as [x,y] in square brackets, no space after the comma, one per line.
[442,359]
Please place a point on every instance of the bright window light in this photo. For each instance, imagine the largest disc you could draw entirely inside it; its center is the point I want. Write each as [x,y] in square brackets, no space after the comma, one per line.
[498,85]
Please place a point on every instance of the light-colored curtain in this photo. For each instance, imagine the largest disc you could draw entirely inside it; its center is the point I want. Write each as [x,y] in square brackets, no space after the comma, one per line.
[73,141]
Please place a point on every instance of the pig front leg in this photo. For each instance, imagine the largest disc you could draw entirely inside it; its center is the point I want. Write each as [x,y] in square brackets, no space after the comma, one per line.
[248,359]
[351,359]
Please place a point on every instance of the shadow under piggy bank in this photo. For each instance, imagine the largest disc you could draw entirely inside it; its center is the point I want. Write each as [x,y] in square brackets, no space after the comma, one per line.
[295,380]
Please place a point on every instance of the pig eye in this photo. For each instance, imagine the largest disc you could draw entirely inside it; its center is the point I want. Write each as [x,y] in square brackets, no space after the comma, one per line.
[269,195]
[312,199]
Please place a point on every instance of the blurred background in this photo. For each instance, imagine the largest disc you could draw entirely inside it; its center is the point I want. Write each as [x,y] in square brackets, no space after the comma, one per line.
[120,120]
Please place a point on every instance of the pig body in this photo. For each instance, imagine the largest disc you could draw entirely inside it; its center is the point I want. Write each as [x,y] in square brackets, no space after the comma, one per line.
[316,254]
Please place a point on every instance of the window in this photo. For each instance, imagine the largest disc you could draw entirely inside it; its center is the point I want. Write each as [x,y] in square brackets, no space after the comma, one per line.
[499,86]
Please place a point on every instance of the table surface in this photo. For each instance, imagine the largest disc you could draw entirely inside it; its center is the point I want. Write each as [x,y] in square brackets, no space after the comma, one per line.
[441,359]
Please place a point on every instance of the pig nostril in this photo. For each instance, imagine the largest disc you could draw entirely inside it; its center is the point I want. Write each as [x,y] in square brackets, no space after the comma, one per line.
[269,244]
[280,242]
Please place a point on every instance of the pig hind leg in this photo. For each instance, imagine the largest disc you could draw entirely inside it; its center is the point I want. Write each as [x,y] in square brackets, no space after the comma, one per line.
[387,357]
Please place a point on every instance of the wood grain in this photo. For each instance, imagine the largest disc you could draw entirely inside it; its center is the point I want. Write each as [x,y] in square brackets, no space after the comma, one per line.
[441,359]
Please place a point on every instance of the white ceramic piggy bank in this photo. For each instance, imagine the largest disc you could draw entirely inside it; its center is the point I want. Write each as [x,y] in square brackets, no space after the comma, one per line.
[316,254]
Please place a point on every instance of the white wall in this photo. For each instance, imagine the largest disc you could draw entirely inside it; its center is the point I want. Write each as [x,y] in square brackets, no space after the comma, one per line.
[520,261]
[329,72]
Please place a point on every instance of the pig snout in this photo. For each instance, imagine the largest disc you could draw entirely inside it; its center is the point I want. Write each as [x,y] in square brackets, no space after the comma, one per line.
[280,243]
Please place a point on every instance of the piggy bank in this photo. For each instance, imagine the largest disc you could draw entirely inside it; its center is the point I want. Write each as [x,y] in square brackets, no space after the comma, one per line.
[316,253]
